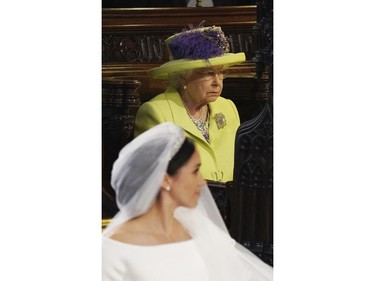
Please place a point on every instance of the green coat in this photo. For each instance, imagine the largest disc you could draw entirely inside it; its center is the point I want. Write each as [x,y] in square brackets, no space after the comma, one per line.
[217,156]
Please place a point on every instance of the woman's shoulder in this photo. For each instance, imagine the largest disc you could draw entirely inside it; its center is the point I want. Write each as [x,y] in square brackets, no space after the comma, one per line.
[132,232]
[126,237]
[167,94]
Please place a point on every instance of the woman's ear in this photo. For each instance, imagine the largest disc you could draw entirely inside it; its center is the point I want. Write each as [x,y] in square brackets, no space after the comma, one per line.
[182,80]
[166,183]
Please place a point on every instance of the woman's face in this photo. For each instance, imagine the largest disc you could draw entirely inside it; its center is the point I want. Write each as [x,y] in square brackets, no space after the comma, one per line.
[204,85]
[187,182]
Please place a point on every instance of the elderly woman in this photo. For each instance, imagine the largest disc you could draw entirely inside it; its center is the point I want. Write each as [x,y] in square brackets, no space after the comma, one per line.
[168,227]
[198,61]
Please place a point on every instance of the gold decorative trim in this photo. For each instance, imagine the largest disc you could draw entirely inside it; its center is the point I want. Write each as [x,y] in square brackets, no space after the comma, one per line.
[105,222]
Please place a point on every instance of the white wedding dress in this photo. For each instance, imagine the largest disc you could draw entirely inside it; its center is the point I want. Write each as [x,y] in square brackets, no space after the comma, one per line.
[167,262]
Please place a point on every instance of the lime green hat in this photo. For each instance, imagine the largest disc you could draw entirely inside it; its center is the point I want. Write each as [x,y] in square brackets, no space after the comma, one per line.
[197,48]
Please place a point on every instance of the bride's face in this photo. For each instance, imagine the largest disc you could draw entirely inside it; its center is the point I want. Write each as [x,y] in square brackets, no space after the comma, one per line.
[187,183]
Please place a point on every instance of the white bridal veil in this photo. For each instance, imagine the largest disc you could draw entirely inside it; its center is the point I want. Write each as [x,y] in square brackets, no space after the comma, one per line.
[136,177]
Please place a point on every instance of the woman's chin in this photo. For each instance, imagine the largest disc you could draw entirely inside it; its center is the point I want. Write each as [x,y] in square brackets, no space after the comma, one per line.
[211,97]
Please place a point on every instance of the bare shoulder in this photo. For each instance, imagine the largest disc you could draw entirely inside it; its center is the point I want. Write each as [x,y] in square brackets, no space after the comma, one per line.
[133,232]
[144,232]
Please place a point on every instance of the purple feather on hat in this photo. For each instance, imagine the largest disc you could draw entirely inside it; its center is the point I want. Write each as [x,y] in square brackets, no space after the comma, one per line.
[199,43]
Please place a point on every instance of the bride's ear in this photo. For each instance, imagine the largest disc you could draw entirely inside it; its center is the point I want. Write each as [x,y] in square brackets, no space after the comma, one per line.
[166,183]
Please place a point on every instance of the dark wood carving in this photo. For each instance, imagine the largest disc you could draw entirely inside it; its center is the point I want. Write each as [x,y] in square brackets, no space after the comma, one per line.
[132,48]
[264,34]
[120,102]
[252,195]
[135,48]
[219,193]
[137,35]
[251,192]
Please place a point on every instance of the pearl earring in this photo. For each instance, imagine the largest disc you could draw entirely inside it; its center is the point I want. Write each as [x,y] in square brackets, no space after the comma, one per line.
[167,188]
[184,87]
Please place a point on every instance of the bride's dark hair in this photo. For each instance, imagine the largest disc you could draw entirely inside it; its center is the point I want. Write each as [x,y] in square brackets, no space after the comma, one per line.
[181,157]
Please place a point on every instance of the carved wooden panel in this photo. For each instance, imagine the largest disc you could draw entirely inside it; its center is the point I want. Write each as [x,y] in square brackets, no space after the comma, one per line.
[120,103]
[264,34]
[137,35]
[135,48]
[219,193]
[252,194]
[130,48]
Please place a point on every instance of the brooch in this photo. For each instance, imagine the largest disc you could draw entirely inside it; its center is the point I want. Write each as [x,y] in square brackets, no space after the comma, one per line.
[220,120]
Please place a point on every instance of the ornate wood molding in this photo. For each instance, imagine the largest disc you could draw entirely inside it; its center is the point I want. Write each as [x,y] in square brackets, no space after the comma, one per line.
[143,48]
[149,19]
[136,35]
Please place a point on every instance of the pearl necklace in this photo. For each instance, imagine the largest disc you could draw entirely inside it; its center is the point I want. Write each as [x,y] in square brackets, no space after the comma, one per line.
[199,123]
